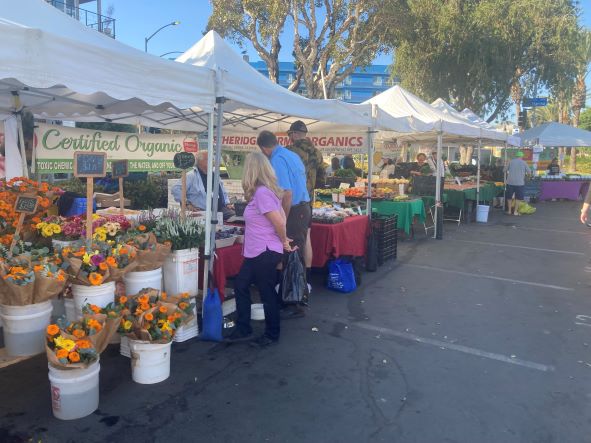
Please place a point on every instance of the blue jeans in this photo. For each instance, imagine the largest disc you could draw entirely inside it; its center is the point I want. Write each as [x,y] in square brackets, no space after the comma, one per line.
[260,270]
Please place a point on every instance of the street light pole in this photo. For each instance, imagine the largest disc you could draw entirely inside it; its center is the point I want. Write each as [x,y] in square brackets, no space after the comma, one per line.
[147,39]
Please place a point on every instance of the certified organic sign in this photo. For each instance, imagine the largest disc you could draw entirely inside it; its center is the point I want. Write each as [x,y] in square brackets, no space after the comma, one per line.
[55,147]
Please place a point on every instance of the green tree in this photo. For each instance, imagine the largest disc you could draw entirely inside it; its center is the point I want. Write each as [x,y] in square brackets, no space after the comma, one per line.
[585,119]
[331,37]
[479,54]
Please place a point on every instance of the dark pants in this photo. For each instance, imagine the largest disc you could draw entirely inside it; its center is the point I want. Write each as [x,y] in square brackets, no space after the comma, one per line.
[259,270]
[297,225]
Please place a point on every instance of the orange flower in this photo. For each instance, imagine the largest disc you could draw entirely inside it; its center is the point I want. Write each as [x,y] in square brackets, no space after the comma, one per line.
[95,279]
[74,357]
[61,353]
[111,261]
[96,309]
[103,266]
[141,228]
[138,312]
[145,306]
[78,333]
[61,277]
[123,299]
[37,268]
[171,318]
[149,316]
[163,309]
[83,344]
[163,296]
[183,305]
[185,295]
[124,251]
[143,299]
[53,330]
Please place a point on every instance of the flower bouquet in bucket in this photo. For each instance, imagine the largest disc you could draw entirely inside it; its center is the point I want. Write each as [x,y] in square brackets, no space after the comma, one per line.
[150,321]
[32,276]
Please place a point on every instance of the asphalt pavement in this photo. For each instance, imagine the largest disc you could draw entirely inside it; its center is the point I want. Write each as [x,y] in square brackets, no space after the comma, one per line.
[482,337]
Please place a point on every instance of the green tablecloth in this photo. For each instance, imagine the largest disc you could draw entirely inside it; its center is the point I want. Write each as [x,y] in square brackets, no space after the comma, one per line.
[405,210]
[457,198]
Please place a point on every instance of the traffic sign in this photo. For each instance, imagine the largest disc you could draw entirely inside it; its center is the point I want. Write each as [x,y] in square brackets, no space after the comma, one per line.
[535,102]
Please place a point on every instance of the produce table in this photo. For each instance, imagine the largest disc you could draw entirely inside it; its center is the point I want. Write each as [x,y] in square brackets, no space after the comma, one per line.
[335,240]
[346,238]
[406,211]
[569,189]
[457,197]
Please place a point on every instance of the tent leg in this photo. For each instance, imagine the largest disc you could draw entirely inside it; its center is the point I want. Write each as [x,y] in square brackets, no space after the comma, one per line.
[207,248]
[438,205]
[478,174]
[369,168]
[216,176]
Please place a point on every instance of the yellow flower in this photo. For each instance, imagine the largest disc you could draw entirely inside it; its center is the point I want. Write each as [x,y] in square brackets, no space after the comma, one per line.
[47,231]
[40,225]
[95,216]
[127,325]
[65,343]
[57,229]
[166,327]
[86,259]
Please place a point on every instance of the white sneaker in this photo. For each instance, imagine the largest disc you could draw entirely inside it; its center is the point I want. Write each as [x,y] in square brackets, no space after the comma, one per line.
[309,288]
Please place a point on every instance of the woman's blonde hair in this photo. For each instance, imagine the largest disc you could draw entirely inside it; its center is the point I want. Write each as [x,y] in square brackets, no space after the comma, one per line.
[258,172]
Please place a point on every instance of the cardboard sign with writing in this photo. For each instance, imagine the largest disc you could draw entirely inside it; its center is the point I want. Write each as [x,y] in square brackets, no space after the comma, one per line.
[26,204]
[184,160]
[119,168]
[90,164]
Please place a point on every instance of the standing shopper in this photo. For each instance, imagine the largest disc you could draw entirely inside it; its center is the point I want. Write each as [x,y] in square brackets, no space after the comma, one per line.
[585,208]
[313,164]
[516,172]
[291,177]
[265,239]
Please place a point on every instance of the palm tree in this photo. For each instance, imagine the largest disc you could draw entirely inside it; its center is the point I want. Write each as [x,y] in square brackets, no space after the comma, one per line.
[580,88]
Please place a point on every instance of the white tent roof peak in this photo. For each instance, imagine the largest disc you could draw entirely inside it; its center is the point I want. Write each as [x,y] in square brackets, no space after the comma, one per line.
[554,134]
[255,102]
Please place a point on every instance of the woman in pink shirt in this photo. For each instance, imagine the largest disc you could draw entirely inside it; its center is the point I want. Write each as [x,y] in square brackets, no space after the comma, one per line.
[265,239]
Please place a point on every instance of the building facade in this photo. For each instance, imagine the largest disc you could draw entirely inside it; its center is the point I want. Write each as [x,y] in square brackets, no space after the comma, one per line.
[361,85]
[93,19]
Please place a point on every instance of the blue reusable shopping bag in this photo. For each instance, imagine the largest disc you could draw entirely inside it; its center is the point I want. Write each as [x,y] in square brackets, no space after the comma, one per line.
[213,316]
[341,277]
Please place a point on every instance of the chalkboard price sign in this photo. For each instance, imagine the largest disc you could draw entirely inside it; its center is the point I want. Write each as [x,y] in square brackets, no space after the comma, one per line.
[90,164]
[120,168]
[184,160]
[26,204]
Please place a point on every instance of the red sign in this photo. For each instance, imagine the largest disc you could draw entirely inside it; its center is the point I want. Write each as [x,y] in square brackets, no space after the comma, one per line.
[190,145]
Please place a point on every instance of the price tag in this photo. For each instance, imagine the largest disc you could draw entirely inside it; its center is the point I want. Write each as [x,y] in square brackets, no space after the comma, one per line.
[90,164]
[26,204]
[119,168]
[344,186]
[359,184]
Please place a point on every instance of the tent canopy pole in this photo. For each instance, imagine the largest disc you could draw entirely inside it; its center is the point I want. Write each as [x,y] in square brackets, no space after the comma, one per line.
[438,206]
[207,248]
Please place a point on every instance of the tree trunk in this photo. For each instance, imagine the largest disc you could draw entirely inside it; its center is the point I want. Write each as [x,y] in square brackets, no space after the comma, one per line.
[573,160]
[517,95]
[561,154]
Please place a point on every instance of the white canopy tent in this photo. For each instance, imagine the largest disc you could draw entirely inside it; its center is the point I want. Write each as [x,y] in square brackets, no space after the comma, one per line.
[248,101]
[556,134]
[431,124]
[58,68]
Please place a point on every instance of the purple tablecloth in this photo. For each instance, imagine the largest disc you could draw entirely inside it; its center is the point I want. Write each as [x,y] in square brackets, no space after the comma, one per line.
[560,189]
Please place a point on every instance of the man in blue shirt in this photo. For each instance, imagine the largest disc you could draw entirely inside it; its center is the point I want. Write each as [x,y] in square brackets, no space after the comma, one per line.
[291,177]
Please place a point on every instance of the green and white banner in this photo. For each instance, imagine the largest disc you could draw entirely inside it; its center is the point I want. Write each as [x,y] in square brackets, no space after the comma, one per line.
[55,146]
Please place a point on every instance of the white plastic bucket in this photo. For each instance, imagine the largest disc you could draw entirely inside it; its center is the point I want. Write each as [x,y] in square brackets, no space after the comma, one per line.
[25,309]
[59,308]
[100,295]
[70,309]
[257,312]
[136,281]
[482,213]
[58,244]
[74,392]
[124,349]
[25,334]
[150,362]
[181,272]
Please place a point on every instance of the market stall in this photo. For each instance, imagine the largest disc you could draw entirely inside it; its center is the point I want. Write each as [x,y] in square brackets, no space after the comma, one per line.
[569,187]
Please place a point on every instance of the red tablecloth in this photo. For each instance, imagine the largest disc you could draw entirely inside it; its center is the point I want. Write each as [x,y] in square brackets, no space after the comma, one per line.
[227,263]
[347,238]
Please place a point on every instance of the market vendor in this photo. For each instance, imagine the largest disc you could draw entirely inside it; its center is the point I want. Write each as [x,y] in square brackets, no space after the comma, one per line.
[335,165]
[554,167]
[386,169]
[421,167]
[349,163]
[197,188]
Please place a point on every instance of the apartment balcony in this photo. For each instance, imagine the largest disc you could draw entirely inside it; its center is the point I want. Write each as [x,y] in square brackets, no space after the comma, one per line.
[93,20]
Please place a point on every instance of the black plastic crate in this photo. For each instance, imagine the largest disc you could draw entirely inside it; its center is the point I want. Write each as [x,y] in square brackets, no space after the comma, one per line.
[386,235]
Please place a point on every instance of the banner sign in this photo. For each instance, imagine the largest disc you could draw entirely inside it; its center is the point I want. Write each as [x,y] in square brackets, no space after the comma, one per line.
[55,147]
[2,159]
[346,143]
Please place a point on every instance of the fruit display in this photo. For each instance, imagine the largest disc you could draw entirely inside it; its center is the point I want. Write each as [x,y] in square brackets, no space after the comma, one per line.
[401,198]
[345,173]
[328,191]
[354,192]
[330,214]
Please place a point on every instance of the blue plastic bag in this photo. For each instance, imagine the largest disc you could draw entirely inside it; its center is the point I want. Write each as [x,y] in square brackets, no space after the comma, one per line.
[212,316]
[341,277]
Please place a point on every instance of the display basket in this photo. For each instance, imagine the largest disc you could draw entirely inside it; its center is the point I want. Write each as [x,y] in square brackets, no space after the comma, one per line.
[386,235]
